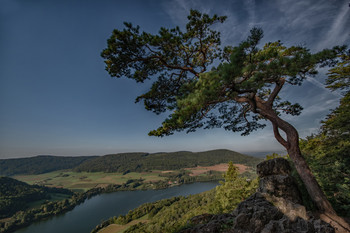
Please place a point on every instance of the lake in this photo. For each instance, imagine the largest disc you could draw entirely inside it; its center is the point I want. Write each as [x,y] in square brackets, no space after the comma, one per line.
[84,218]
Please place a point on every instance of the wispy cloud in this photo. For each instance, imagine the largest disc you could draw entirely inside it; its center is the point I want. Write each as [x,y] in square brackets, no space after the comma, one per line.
[302,14]
[339,31]
[178,10]
[320,85]
[250,7]
[316,24]
[321,106]
[235,28]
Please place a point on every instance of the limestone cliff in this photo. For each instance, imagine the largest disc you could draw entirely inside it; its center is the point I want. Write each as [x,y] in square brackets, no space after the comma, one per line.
[276,207]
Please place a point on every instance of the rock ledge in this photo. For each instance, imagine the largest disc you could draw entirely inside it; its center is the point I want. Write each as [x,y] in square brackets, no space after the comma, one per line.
[275,208]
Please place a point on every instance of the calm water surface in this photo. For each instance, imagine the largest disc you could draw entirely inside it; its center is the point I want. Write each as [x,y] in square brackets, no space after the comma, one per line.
[83,218]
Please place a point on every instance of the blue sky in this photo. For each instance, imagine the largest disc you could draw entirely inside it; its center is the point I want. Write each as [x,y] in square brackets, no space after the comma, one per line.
[56,98]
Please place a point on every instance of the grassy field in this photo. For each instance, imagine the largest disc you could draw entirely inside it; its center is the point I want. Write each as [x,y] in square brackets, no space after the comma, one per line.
[116,228]
[82,181]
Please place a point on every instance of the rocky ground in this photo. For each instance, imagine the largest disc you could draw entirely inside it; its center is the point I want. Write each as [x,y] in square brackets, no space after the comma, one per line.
[275,208]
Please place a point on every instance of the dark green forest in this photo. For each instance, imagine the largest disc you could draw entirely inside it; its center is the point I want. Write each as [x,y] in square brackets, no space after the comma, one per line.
[16,195]
[327,152]
[22,204]
[39,164]
[123,162]
[140,162]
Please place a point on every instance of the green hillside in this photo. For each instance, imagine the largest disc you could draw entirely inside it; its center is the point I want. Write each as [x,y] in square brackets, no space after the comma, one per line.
[138,162]
[16,195]
[171,215]
[39,164]
[123,162]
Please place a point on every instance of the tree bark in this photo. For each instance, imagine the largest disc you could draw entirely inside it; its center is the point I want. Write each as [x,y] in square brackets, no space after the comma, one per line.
[291,143]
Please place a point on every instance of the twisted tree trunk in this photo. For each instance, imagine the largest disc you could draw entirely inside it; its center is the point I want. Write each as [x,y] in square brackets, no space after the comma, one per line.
[291,143]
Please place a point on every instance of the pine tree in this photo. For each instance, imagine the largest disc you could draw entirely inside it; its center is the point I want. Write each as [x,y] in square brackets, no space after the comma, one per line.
[232,191]
[242,90]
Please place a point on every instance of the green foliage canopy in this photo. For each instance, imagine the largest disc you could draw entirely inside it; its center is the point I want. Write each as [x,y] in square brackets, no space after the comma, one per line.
[141,162]
[243,89]
[224,97]
[232,191]
[339,76]
[328,152]
[40,164]
[16,195]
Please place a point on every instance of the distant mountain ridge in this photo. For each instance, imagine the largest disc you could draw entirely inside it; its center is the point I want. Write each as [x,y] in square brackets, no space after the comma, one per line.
[39,164]
[123,162]
[141,162]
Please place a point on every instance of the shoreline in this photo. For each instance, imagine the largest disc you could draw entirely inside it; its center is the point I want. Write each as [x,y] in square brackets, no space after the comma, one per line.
[25,218]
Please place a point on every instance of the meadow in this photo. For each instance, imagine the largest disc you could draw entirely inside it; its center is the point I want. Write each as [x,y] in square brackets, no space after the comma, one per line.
[118,228]
[83,181]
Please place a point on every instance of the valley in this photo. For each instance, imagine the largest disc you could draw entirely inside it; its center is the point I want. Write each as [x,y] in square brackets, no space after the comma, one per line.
[96,175]
[83,181]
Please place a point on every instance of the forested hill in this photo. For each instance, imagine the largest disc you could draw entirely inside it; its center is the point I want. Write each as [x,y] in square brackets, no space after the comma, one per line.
[137,162]
[16,195]
[123,162]
[39,164]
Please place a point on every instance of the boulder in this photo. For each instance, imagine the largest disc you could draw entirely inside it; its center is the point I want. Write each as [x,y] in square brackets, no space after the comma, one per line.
[280,186]
[262,213]
[277,166]
[275,180]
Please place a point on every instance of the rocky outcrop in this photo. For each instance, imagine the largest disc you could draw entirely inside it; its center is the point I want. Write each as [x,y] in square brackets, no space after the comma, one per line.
[275,208]
[275,180]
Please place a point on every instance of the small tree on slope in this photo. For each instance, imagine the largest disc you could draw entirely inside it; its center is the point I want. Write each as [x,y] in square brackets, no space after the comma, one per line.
[235,95]
[232,191]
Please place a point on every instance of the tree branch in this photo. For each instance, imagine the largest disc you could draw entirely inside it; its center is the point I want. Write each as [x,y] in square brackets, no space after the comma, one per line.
[278,136]
[245,110]
[278,87]
[241,99]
